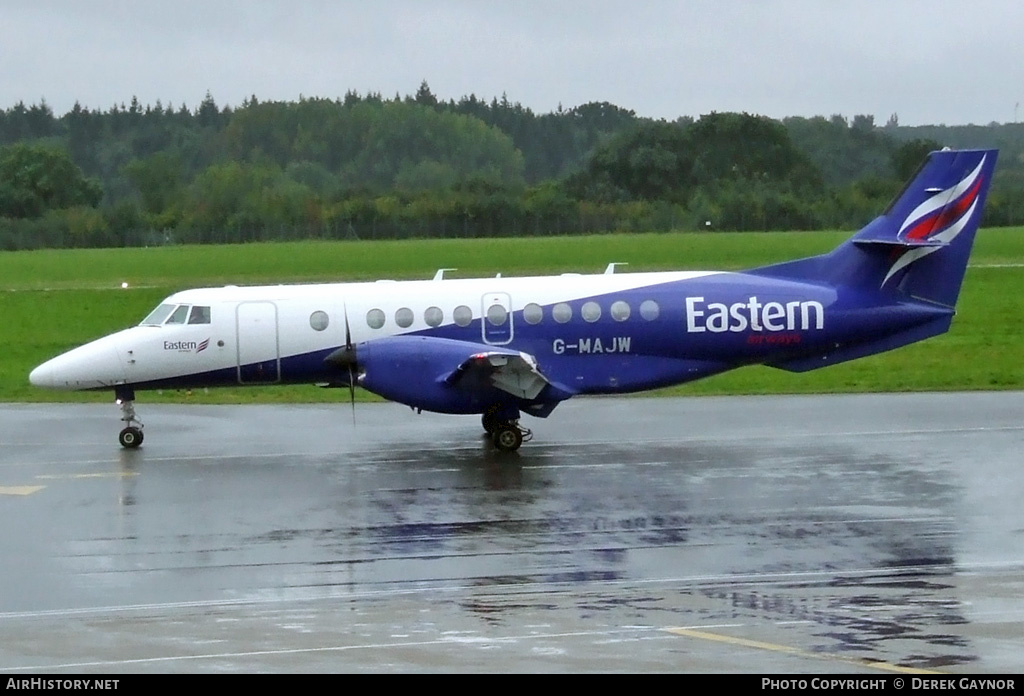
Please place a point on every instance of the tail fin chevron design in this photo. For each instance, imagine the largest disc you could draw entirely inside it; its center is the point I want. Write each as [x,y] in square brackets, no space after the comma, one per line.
[953,185]
[919,246]
[928,219]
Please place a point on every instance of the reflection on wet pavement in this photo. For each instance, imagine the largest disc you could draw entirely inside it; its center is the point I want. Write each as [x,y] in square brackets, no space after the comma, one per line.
[859,540]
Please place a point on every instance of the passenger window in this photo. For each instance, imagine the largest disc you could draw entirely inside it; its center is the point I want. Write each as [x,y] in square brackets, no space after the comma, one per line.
[591,311]
[649,310]
[561,312]
[533,313]
[178,316]
[620,310]
[433,316]
[319,320]
[462,315]
[375,318]
[497,315]
[403,317]
[199,315]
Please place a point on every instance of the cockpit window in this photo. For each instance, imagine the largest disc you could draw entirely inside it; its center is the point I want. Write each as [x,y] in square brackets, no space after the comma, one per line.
[168,313]
[199,315]
[178,315]
[158,315]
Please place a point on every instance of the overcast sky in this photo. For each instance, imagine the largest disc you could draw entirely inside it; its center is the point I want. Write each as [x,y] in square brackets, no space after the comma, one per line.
[928,61]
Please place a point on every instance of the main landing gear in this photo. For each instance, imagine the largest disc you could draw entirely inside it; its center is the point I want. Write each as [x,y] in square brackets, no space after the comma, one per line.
[131,436]
[502,425]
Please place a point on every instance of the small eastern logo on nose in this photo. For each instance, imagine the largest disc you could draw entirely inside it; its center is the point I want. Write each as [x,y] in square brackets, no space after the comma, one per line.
[187,346]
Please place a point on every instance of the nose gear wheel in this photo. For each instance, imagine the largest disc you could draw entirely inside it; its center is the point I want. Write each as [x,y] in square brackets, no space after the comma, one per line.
[131,436]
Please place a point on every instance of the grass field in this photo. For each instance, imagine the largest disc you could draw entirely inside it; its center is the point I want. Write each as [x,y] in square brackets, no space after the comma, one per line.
[53,300]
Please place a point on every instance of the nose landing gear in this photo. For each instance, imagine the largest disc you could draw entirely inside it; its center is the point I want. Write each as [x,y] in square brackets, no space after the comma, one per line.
[131,436]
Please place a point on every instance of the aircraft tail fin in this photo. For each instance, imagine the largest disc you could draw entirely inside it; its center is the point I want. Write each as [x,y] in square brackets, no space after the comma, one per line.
[918,248]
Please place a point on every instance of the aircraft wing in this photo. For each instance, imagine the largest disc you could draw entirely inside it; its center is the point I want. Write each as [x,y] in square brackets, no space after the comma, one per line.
[510,371]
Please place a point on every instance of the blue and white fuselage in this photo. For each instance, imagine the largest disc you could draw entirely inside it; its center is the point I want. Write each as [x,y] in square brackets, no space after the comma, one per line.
[504,346]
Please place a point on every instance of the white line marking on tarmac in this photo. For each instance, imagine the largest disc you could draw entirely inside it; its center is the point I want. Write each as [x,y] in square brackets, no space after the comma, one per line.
[323,649]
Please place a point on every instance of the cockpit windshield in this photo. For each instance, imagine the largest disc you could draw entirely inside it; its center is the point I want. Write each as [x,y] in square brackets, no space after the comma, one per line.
[177,314]
[157,316]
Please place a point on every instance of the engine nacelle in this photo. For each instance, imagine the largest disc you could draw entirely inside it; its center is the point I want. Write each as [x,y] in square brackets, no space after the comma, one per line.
[412,370]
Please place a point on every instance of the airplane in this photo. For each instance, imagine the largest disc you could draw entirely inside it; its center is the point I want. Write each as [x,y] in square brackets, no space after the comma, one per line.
[502,347]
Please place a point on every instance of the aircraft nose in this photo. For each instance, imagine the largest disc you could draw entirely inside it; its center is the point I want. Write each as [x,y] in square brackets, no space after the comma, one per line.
[95,365]
[42,376]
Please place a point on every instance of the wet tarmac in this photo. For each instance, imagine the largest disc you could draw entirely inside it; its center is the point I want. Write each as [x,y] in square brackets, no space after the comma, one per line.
[843,534]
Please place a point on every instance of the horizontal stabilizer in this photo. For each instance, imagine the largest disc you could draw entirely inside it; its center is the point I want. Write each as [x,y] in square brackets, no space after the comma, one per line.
[901,243]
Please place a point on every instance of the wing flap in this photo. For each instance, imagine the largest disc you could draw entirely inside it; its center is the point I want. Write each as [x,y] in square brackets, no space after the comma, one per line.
[510,371]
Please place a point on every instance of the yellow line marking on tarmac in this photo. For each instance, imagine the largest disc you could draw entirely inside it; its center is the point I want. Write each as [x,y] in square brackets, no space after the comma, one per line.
[776,647]
[20,490]
[99,474]
[29,490]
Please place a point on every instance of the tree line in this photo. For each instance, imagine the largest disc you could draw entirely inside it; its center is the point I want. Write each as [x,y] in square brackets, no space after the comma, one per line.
[369,167]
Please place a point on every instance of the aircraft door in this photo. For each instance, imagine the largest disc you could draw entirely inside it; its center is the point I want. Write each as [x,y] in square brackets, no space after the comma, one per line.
[259,358]
[497,318]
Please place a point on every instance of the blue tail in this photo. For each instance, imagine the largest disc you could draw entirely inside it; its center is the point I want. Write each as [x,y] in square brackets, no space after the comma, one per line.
[919,247]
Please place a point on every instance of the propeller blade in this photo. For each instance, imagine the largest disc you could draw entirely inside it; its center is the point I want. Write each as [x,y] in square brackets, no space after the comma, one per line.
[345,357]
[350,349]
[352,392]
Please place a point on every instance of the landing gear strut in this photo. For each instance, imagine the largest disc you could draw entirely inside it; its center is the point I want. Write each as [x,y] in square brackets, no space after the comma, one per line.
[131,436]
[502,424]
[490,420]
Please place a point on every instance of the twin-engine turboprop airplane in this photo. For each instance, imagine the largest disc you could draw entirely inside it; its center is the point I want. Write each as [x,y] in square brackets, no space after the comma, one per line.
[501,347]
